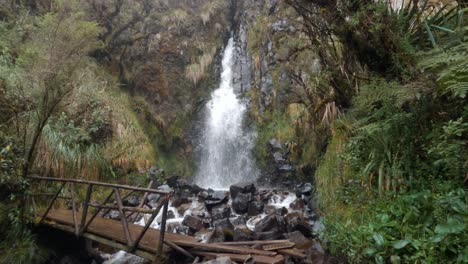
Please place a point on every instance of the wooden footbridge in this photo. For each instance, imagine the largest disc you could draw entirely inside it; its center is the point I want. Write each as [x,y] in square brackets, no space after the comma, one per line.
[73,206]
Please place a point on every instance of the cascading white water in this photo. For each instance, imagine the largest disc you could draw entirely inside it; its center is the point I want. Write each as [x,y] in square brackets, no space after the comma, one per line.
[227,144]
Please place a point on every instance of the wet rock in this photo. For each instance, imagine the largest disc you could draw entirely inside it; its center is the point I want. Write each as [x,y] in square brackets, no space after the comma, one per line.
[298,204]
[315,253]
[193,222]
[275,144]
[178,200]
[132,200]
[240,204]
[165,188]
[270,209]
[299,239]
[221,260]
[202,195]
[204,235]
[242,233]
[170,215]
[255,208]
[278,157]
[221,211]
[199,210]
[181,209]
[238,220]
[268,235]
[224,224]
[286,168]
[242,188]
[221,234]
[153,197]
[304,189]
[196,189]
[215,198]
[271,222]
[297,222]
[114,215]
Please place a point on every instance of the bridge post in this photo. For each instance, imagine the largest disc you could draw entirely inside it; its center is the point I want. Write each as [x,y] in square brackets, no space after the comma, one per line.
[85,208]
[163,226]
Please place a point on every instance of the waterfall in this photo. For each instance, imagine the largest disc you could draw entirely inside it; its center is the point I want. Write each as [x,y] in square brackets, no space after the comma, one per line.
[227,143]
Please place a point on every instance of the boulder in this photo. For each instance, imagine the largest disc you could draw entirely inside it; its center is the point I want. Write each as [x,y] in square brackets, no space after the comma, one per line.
[225,224]
[214,198]
[204,235]
[193,222]
[221,234]
[221,211]
[268,235]
[165,188]
[299,239]
[242,188]
[242,233]
[238,220]
[114,215]
[278,157]
[178,200]
[255,208]
[153,197]
[132,200]
[170,214]
[304,189]
[297,222]
[271,222]
[181,209]
[275,144]
[298,204]
[270,209]
[286,168]
[240,204]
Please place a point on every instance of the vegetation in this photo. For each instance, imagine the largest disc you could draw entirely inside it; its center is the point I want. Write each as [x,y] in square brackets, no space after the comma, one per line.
[380,117]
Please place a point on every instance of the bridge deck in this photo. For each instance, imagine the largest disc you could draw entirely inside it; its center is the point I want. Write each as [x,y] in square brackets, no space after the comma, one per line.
[112,230]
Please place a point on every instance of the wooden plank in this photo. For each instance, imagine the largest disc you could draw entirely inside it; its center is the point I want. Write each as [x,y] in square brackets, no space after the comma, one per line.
[123,219]
[293,252]
[254,242]
[279,246]
[224,249]
[111,185]
[278,259]
[112,229]
[124,208]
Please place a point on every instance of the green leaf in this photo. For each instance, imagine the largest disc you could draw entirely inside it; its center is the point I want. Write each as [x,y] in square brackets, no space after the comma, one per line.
[379,239]
[394,259]
[452,226]
[400,244]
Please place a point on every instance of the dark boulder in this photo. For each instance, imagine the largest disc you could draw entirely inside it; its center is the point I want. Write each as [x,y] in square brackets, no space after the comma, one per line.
[242,233]
[193,222]
[182,208]
[268,235]
[221,234]
[223,223]
[221,211]
[299,239]
[270,209]
[255,208]
[298,204]
[132,200]
[304,189]
[240,204]
[275,144]
[178,200]
[238,220]
[215,198]
[271,222]
[242,188]
[297,222]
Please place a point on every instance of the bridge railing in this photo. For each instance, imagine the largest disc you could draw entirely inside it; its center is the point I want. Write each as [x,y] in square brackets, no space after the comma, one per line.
[127,213]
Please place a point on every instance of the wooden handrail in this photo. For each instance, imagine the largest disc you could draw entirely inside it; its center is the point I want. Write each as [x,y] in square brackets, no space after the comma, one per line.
[111,185]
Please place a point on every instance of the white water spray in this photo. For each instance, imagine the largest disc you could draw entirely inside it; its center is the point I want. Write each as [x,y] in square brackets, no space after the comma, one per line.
[227,145]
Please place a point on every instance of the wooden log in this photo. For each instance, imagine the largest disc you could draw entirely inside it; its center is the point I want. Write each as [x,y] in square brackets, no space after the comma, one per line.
[52,202]
[278,259]
[122,217]
[85,206]
[292,252]
[253,242]
[224,249]
[279,246]
[111,185]
[125,208]
[75,219]
[178,249]
[163,224]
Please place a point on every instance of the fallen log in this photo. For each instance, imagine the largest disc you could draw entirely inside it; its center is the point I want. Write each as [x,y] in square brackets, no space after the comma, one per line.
[224,249]
[279,246]
[278,259]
